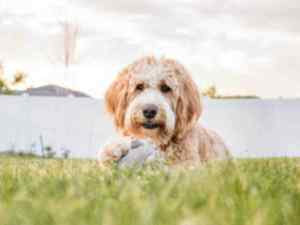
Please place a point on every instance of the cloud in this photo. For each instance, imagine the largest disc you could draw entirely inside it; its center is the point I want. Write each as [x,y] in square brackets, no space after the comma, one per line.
[239,45]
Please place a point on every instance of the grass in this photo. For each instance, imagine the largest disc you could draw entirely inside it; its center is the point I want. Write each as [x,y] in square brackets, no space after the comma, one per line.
[48,191]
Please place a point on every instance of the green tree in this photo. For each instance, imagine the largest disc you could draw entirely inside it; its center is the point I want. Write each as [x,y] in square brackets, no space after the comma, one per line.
[6,87]
[211,91]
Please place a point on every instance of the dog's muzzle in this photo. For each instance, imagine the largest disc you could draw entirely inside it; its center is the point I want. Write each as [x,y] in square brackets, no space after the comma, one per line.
[150,110]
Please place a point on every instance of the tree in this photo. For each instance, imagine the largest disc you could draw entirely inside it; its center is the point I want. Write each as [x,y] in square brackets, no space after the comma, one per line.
[6,87]
[210,92]
[19,78]
[1,69]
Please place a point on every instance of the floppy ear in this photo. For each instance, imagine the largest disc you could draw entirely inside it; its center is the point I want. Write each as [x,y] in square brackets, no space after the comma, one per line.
[188,108]
[116,98]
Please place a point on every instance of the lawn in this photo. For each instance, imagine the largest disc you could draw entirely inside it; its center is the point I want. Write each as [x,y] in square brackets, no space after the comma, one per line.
[47,191]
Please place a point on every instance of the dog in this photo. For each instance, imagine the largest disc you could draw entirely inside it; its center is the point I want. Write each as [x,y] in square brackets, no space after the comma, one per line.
[157,99]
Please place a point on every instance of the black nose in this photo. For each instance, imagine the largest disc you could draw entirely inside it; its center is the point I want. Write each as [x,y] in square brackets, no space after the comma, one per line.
[150,111]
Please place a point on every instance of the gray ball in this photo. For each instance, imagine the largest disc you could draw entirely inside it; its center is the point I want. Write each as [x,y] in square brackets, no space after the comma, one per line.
[140,153]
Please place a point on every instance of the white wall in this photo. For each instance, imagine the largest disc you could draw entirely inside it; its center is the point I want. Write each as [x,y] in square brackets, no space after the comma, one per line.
[251,128]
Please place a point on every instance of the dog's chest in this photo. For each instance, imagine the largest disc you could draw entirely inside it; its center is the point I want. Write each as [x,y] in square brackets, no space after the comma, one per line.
[176,153]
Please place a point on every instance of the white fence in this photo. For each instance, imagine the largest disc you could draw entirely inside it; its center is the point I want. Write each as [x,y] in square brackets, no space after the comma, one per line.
[251,128]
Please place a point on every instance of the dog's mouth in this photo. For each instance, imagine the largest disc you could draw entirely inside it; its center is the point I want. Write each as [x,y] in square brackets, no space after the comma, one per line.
[151,125]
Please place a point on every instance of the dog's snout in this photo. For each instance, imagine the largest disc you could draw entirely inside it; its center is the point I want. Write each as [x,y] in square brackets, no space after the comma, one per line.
[150,111]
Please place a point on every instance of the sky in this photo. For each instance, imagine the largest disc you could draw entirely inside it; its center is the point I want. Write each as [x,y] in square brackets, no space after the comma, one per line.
[243,47]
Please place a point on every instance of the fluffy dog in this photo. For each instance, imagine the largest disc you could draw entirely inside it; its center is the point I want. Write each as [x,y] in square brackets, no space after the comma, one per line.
[157,99]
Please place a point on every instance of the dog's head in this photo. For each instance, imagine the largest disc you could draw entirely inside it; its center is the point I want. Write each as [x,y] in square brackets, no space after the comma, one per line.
[154,99]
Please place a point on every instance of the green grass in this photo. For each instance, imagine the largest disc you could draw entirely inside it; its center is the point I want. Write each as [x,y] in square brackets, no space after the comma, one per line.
[42,192]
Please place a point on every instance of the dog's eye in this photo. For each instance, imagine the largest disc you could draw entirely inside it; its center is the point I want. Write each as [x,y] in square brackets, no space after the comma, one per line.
[139,87]
[165,88]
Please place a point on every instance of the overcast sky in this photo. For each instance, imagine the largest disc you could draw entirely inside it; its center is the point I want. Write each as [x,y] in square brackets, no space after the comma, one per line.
[242,47]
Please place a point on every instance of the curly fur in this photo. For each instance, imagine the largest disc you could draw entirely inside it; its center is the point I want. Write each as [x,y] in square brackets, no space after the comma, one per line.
[179,136]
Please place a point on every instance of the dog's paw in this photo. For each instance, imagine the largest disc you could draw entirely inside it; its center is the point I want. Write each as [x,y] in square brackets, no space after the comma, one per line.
[113,152]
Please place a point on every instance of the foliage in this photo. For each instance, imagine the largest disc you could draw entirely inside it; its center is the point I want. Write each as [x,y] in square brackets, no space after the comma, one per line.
[66,153]
[49,191]
[212,92]
[19,77]
[21,154]
[50,153]
[6,87]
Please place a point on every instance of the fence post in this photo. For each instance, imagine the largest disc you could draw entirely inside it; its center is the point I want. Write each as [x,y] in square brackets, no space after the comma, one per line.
[42,145]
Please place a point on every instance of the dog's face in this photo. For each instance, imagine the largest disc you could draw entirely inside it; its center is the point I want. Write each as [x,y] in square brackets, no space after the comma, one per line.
[154,99]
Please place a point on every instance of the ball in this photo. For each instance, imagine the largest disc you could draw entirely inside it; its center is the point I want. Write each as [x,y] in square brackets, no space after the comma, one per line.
[140,153]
